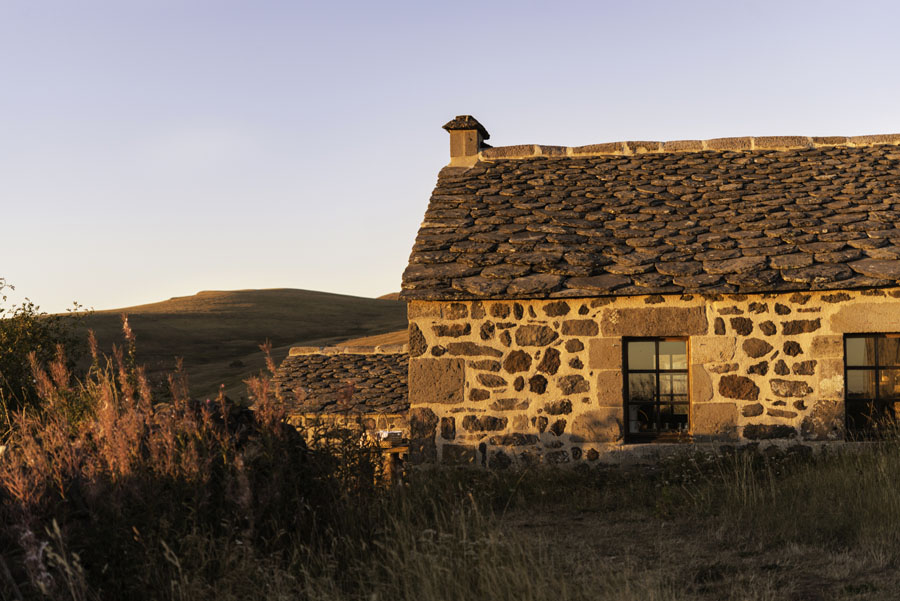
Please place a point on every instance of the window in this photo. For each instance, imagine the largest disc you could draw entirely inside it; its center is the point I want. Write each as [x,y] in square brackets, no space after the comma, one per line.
[656,389]
[872,380]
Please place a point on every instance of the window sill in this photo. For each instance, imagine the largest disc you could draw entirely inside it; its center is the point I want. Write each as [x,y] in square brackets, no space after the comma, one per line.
[672,437]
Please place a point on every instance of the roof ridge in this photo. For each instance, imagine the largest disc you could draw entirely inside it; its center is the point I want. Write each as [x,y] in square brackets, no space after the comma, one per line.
[632,148]
[380,349]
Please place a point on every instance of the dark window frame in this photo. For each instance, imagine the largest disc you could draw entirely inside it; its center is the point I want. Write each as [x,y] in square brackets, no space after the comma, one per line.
[659,435]
[884,407]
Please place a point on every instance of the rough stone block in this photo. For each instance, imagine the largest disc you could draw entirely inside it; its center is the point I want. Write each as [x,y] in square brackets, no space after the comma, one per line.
[579,327]
[781,142]
[800,326]
[825,421]
[828,368]
[574,346]
[738,387]
[422,429]
[605,353]
[654,321]
[752,410]
[455,454]
[804,368]
[792,348]
[517,361]
[535,335]
[701,385]
[866,317]
[756,347]
[825,346]
[729,143]
[712,349]
[448,428]
[561,407]
[742,325]
[768,431]
[714,420]
[436,381]
[470,349]
[790,388]
[452,330]
[515,439]
[455,311]
[550,363]
[573,384]
[599,425]
[491,380]
[831,379]
[556,309]
[423,309]
[508,152]
[483,423]
[609,388]
[603,148]
[417,343]
[683,145]
[537,384]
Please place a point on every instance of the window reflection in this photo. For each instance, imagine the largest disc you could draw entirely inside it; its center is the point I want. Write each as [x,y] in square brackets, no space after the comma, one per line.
[861,383]
[872,364]
[641,387]
[860,351]
[642,354]
[888,351]
[889,384]
[673,354]
[657,381]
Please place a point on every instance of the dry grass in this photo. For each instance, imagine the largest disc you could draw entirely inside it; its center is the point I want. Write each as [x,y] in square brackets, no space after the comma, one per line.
[217,334]
[398,337]
[108,494]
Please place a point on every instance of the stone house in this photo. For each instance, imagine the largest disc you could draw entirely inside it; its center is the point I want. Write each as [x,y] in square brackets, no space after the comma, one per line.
[356,387]
[567,304]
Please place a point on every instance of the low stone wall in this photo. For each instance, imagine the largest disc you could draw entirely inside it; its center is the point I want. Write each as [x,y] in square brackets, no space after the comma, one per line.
[349,386]
[498,382]
[314,425]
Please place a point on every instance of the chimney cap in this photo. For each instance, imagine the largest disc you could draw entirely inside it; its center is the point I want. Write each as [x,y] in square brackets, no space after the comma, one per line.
[467,122]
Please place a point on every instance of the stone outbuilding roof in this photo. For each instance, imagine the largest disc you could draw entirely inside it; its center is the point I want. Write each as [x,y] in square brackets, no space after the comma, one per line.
[335,380]
[731,215]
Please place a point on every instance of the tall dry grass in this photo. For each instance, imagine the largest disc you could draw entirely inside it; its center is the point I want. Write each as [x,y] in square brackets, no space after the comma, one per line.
[106,493]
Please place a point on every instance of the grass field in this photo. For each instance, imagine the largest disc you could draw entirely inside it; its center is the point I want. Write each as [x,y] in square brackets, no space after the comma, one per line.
[218,333]
[740,526]
[107,494]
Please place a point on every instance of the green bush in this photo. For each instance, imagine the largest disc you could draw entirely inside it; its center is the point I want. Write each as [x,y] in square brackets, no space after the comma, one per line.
[29,335]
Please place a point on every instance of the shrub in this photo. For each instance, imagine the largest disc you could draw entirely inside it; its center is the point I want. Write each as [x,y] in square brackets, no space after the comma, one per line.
[25,330]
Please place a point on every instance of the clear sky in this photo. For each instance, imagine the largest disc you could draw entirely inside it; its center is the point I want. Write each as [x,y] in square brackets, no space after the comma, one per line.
[151,149]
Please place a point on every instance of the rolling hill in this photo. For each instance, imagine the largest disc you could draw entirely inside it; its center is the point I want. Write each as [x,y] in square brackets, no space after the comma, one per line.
[218,333]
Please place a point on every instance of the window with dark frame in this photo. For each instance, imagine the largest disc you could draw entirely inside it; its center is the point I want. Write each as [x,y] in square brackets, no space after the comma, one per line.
[872,380]
[657,404]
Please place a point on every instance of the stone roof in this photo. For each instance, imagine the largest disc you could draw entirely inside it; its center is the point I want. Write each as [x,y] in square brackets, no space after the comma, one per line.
[635,218]
[358,380]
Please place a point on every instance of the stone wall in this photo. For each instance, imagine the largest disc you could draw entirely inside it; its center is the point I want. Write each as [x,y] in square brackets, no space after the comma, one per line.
[316,426]
[502,382]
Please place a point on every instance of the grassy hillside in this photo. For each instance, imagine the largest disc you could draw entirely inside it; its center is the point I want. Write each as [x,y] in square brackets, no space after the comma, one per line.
[218,333]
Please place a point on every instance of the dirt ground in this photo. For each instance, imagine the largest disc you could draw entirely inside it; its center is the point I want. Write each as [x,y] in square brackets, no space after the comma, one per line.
[685,559]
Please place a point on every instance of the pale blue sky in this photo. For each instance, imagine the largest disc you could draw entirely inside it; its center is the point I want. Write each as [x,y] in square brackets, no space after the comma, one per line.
[156,148]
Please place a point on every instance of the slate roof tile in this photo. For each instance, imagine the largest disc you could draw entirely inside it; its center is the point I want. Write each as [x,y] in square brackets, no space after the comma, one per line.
[740,214]
[355,383]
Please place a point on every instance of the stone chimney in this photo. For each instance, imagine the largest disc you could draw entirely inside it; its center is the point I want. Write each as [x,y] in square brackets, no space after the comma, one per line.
[467,138]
